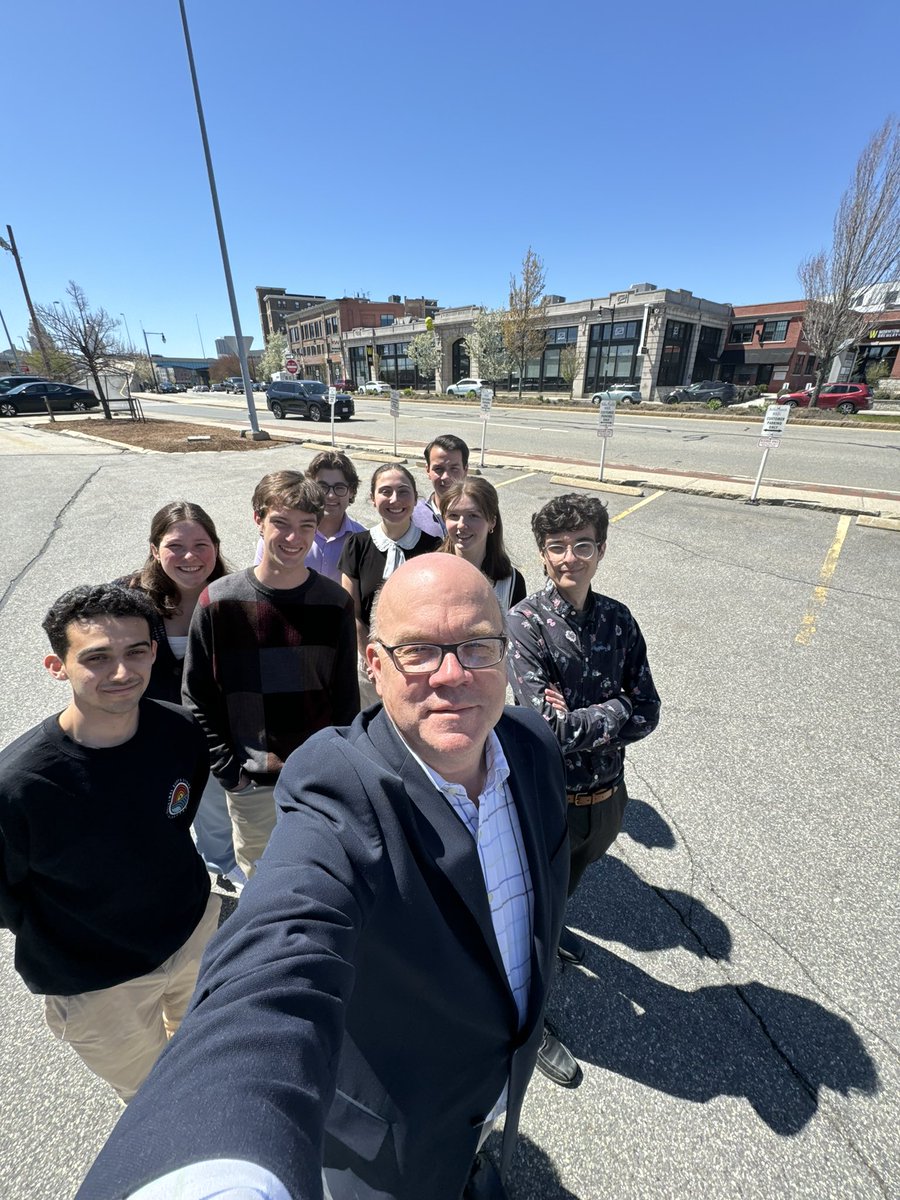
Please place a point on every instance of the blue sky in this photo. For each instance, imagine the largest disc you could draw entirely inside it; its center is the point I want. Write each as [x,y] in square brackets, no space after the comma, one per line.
[422,147]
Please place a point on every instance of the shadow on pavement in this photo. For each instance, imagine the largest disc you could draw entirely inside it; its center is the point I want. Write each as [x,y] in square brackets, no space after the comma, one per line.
[644,824]
[612,904]
[533,1176]
[775,1049]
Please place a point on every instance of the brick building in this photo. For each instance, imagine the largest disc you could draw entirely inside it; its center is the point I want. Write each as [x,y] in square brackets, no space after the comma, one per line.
[276,305]
[315,333]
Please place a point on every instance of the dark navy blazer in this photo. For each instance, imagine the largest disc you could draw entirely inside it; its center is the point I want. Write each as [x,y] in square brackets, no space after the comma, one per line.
[355,1012]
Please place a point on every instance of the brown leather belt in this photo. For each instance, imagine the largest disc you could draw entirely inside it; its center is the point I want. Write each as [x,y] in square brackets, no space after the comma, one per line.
[582,799]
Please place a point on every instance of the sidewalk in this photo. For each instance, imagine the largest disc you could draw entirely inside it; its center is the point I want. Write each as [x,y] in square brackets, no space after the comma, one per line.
[23,437]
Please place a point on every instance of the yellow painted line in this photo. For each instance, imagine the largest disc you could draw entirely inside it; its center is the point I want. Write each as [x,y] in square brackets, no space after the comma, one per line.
[635,507]
[820,595]
[516,479]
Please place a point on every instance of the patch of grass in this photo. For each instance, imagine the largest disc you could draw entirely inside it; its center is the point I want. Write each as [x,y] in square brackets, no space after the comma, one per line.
[170,437]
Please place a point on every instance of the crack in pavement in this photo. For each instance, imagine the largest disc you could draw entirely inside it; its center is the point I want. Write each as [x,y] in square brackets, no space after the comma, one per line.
[696,873]
[57,523]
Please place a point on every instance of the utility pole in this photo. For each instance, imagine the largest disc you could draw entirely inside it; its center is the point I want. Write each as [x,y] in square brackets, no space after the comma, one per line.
[258,435]
[15,352]
[35,323]
[147,344]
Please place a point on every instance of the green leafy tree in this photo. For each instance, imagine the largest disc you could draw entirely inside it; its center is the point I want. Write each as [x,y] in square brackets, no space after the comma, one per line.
[272,358]
[85,335]
[425,352]
[523,327]
[865,250]
[571,360]
[486,344]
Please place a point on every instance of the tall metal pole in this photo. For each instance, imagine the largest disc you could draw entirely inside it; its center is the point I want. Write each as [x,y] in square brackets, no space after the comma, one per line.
[11,346]
[256,433]
[200,336]
[128,332]
[35,323]
[149,359]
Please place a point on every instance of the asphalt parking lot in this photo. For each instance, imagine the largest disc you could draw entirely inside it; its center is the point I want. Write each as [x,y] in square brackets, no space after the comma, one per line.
[736,1015]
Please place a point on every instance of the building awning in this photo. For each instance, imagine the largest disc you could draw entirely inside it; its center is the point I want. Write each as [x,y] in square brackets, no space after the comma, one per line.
[757,355]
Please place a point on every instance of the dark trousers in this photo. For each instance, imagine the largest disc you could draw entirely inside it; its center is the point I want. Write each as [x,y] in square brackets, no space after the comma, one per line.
[592,830]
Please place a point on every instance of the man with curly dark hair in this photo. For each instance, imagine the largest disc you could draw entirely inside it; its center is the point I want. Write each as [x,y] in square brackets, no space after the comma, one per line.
[89,798]
[580,660]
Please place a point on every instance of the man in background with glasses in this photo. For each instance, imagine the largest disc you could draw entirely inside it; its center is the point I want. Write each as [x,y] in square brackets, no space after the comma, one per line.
[580,660]
[378,996]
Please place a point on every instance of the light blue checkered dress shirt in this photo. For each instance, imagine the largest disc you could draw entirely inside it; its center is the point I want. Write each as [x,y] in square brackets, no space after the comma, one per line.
[494,824]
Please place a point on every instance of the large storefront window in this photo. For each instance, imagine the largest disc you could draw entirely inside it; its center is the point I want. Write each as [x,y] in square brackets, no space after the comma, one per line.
[613,355]
[674,353]
[396,368]
[359,364]
[707,357]
[544,373]
[459,360]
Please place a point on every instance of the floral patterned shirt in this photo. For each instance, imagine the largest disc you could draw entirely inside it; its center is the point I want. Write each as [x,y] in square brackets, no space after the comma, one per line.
[597,658]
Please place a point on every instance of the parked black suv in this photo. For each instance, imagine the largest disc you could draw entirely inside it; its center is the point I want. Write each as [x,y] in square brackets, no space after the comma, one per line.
[308,398]
[706,389]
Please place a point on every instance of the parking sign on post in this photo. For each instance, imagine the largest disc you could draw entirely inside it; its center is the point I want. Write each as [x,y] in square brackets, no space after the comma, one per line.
[774,423]
[606,419]
[332,400]
[395,413]
[487,398]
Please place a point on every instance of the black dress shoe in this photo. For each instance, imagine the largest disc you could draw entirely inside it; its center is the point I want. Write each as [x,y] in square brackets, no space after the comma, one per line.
[555,1061]
[571,947]
[484,1182]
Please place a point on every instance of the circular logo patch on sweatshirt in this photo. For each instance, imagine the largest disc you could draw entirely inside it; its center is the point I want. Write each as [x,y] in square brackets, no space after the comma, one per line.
[178,798]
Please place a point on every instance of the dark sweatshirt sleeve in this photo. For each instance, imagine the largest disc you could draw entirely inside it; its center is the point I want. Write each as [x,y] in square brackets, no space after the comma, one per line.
[345,681]
[13,863]
[204,698]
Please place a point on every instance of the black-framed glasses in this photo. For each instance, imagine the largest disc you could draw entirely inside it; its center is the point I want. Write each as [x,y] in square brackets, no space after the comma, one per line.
[557,550]
[339,489]
[424,658]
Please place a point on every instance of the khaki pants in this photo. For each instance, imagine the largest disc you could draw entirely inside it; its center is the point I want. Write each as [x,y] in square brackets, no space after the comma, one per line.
[119,1031]
[252,813]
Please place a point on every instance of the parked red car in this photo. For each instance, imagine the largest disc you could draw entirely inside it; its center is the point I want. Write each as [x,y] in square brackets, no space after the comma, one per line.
[845,397]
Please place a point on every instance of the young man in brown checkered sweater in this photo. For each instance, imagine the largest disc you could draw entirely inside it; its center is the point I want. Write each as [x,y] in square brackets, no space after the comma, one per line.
[271,659]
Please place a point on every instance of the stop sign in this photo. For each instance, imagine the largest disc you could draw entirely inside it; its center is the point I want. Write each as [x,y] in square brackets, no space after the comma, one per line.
[292,366]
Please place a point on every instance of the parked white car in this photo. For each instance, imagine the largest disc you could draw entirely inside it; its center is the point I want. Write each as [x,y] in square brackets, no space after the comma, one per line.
[464,386]
[622,393]
[375,387]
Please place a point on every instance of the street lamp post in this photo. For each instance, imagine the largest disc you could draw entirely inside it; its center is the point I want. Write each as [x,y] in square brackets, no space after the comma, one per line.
[149,333]
[35,323]
[15,352]
[127,333]
[255,432]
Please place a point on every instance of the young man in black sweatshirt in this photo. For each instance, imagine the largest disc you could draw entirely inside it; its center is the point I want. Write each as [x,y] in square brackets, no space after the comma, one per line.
[92,801]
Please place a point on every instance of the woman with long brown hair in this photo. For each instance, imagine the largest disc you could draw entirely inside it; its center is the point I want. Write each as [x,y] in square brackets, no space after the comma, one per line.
[471,511]
[183,558]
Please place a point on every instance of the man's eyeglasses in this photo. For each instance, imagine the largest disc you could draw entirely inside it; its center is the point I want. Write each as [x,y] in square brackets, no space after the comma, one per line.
[424,658]
[558,550]
[339,489]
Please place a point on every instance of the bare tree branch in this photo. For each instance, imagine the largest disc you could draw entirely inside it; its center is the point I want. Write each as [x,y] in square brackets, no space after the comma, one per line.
[84,334]
[865,250]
